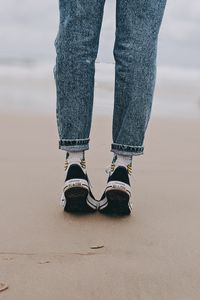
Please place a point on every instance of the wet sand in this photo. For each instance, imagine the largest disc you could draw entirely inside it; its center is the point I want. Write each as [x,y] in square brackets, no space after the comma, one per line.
[45,253]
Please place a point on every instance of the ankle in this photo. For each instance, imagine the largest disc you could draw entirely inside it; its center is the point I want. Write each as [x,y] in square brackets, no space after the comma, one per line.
[75,155]
[123,160]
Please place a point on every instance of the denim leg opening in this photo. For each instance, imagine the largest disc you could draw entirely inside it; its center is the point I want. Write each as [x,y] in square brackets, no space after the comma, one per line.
[127,149]
[74,144]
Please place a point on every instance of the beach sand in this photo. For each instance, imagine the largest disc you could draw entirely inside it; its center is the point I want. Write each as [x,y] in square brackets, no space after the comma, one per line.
[45,253]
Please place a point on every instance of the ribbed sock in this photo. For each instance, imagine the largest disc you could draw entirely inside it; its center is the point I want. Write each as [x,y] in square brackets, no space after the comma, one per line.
[75,155]
[122,159]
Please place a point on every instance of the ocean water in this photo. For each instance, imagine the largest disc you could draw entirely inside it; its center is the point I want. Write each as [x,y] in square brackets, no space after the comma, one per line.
[27,56]
[31,89]
[28,29]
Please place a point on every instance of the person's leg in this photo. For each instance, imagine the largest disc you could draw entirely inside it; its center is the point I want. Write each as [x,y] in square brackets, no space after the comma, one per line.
[137,28]
[135,50]
[76,45]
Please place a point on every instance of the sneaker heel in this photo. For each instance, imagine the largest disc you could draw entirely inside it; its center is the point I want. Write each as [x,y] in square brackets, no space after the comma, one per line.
[76,200]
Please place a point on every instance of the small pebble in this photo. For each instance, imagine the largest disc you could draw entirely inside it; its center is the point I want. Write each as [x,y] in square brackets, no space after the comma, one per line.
[97,247]
[3,286]
[44,262]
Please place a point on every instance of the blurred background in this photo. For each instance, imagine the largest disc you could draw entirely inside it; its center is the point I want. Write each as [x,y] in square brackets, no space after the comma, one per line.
[27,57]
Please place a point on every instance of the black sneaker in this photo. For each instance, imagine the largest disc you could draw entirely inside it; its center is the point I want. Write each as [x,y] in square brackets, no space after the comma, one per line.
[77,195]
[116,198]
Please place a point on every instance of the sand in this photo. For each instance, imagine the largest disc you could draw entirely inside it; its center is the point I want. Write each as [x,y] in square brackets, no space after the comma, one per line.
[47,254]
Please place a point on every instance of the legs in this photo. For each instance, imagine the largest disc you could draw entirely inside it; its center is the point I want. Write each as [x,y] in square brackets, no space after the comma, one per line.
[137,28]
[77,41]
[76,47]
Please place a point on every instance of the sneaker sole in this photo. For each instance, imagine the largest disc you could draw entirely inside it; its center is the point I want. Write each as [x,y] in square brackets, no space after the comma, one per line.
[117,203]
[76,200]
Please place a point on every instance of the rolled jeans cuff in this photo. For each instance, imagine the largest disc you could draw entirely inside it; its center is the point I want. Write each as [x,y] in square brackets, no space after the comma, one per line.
[74,144]
[126,149]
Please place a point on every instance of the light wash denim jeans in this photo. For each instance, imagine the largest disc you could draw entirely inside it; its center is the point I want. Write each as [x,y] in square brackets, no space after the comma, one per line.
[135,51]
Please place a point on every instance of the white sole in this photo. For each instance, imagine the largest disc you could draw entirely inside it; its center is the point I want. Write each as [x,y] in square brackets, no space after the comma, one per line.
[92,202]
[73,183]
[116,186]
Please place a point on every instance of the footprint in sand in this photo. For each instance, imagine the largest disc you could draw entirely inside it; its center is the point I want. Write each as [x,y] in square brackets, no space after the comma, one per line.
[3,286]
[44,262]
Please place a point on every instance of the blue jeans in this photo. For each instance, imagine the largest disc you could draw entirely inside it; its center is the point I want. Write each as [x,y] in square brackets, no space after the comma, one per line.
[135,51]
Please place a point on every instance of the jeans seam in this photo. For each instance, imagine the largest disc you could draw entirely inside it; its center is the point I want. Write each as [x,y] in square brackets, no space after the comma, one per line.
[73,142]
[127,148]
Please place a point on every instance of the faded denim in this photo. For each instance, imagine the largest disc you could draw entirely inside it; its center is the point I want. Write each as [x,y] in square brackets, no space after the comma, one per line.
[135,51]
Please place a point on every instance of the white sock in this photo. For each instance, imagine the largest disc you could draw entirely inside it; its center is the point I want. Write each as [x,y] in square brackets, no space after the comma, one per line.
[75,155]
[122,159]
